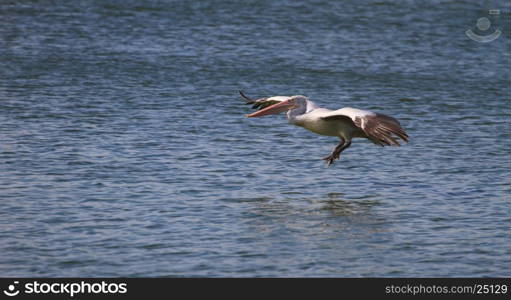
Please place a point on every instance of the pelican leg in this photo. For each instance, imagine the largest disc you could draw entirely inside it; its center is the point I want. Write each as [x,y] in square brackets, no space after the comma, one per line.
[337,151]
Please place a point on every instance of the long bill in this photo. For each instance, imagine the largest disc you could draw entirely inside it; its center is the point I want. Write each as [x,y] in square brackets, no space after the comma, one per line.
[272,110]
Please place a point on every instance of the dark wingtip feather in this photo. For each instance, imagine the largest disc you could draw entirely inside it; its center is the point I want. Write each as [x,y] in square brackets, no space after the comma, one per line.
[247,99]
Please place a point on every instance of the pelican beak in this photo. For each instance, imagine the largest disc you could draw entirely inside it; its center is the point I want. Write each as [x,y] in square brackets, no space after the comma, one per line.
[273,110]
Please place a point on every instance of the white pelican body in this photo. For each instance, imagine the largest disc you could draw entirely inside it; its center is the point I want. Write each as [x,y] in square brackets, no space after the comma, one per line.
[346,123]
[315,122]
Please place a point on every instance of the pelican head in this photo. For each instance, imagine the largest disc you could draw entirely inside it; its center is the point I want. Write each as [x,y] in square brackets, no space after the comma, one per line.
[295,104]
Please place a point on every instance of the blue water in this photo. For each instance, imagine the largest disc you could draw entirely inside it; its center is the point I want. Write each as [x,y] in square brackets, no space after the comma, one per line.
[124,150]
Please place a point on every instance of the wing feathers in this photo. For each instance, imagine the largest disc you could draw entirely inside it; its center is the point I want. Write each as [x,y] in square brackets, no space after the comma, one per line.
[380,129]
[261,103]
[338,118]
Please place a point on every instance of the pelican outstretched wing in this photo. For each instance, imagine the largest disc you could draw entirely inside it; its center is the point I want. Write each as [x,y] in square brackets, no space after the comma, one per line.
[262,103]
[379,128]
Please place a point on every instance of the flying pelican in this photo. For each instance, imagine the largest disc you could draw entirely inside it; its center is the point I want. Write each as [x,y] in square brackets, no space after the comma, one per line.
[346,123]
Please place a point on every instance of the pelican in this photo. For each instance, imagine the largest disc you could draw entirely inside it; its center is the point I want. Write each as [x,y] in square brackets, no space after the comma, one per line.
[345,123]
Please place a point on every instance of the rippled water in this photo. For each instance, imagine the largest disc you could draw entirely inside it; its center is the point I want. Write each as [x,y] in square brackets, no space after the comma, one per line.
[124,150]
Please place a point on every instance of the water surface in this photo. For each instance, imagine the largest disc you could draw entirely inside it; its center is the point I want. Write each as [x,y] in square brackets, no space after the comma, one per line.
[125,152]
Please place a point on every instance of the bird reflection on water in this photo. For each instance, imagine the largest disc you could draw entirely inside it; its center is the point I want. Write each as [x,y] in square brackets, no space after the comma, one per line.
[330,215]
